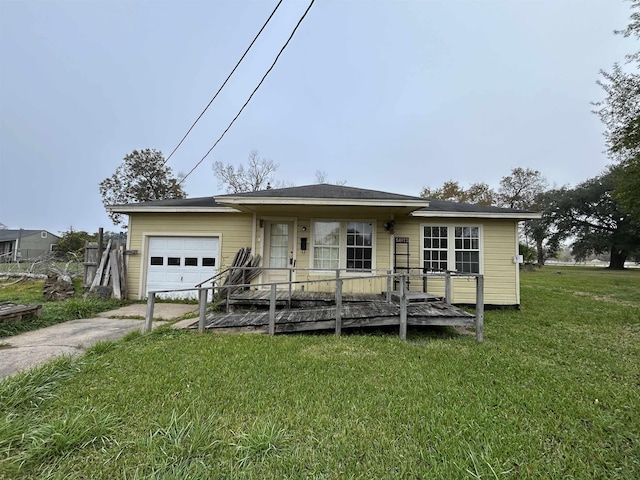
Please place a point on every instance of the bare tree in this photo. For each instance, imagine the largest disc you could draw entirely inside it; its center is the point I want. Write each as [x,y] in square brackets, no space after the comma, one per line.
[257,175]
[323,177]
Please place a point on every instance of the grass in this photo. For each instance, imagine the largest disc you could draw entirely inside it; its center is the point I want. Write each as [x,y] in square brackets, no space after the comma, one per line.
[30,292]
[554,392]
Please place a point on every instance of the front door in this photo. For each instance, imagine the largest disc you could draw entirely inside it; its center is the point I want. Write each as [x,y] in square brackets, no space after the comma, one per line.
[278,251]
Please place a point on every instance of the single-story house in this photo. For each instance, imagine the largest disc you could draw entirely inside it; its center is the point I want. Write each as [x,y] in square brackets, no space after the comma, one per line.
[23,245]
[308,232]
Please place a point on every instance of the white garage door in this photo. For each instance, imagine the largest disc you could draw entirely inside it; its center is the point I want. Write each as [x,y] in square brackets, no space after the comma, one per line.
[180,262]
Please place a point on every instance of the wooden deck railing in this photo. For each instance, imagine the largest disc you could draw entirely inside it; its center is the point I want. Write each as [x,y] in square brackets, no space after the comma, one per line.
[390,278]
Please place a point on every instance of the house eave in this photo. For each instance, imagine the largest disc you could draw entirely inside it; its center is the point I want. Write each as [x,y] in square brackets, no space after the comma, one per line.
[335,202]
[491,215]
[160,209]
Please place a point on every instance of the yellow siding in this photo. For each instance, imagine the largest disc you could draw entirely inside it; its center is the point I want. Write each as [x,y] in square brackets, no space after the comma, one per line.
[381,253]
[498,240]
[234,230]
[498,246]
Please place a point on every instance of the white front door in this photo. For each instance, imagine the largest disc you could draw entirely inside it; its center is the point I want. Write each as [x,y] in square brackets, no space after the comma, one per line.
[180,262]
[278,251]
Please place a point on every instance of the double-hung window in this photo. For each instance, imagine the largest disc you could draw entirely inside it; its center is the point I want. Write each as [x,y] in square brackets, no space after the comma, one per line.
[467,249]
[359,245]
[347,245]
[436,249]
[451,248]
[326,245]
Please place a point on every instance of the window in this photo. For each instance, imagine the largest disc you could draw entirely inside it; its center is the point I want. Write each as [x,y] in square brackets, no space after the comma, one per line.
[343,245]
[451,248]
[173,261]
[190,262]
[208,262]
[43,234]
[467,249]
[326,245]
[279,245]
[435,254]
[157,261]
[359,245]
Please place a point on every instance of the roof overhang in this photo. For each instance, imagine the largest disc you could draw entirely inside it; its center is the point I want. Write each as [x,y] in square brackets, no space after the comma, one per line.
[127,209]
[253,204]
[495,215]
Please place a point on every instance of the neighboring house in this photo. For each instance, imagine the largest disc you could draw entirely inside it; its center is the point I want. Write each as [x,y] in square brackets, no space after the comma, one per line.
[23,245]
[306,230]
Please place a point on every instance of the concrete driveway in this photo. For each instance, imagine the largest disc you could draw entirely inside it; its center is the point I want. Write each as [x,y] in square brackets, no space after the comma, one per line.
[28,350]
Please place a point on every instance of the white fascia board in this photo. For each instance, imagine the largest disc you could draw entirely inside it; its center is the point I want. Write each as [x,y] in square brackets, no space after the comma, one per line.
[349,202]
[140,209]
[506,216]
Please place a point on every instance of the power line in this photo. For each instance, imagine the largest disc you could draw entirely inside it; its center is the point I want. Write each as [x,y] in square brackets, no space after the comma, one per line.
[225,82]
[252,93]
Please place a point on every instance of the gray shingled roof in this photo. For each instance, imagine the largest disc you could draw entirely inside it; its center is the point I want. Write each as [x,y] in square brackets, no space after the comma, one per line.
[327,191]
[10,235]
[323,190]
[177,202]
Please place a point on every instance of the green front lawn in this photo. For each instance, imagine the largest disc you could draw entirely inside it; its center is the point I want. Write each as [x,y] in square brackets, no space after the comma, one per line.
[554,392]
[30,292]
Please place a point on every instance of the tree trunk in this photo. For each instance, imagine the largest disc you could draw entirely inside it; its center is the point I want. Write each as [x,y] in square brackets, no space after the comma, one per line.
[618,257]
[540,251]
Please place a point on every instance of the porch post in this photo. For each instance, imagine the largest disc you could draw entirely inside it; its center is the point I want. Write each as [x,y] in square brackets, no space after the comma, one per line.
[480,308]
[229,290]
[338,307]
[272,310]
[447,286]
[389,285]
[151,300]
[403,307]
[290,287]
[202,301]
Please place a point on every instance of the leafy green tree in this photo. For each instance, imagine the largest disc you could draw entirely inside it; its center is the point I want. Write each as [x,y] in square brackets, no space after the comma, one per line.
[592,216]
[143,176]
[477,193]
[71,243]
[521,188]
[620,114]
[525,189]
[528,253]
[481,194]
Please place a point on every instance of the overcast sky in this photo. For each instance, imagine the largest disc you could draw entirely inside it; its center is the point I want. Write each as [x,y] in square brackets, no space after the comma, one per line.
[387,95]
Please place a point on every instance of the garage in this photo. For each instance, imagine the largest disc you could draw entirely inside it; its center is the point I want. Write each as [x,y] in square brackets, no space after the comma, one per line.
[180,262]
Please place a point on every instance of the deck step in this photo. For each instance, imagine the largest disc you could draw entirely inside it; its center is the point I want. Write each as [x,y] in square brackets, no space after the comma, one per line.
[413,297]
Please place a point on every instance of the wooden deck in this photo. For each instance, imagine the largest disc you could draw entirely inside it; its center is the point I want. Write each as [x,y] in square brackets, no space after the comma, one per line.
[11,312]
[317,311]
[301,299]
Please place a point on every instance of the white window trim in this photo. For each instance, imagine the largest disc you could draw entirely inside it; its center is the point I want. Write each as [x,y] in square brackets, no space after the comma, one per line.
[342,255]
[451,238]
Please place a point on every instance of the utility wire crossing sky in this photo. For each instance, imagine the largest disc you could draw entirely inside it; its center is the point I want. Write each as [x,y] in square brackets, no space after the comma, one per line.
[387,95]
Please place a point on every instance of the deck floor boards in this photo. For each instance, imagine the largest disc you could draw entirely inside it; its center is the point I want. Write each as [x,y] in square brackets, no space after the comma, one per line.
[317,311]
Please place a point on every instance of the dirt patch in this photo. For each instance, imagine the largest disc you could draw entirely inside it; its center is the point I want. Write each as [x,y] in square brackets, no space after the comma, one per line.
[338,350]
[605,298]
[465,330]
